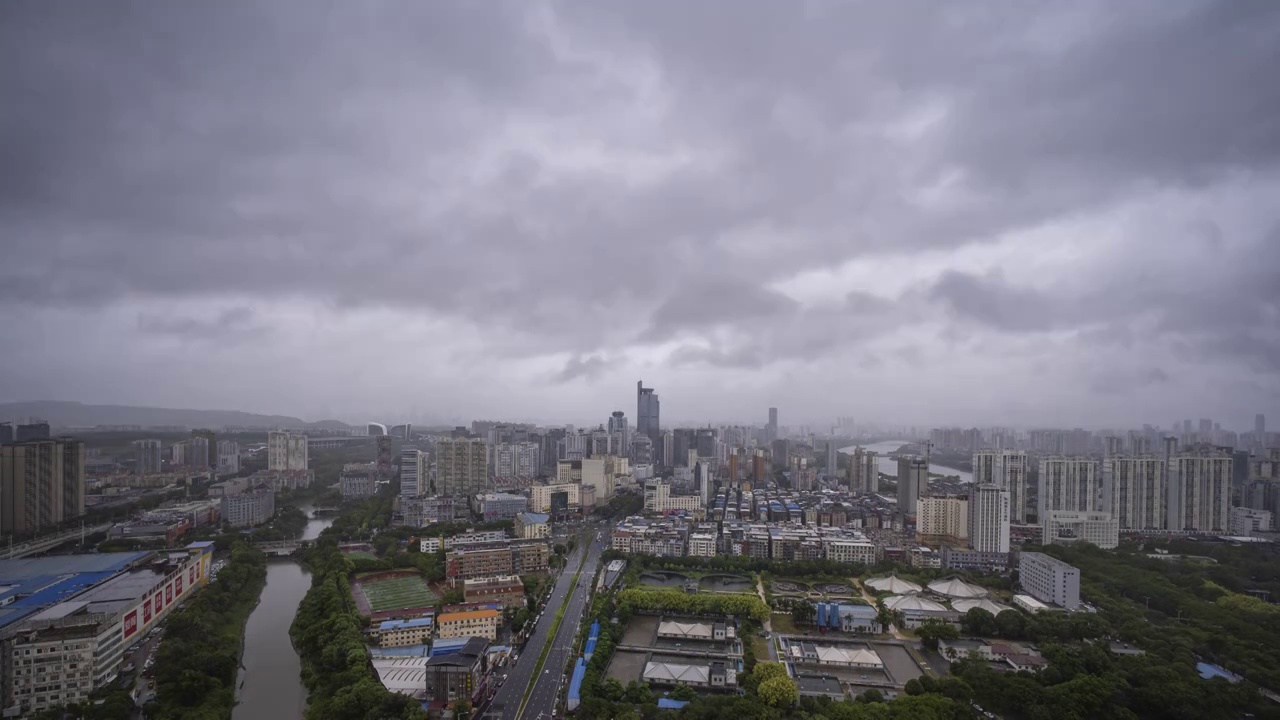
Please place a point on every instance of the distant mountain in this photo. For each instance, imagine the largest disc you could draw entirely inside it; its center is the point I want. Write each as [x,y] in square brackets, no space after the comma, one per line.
[74,414]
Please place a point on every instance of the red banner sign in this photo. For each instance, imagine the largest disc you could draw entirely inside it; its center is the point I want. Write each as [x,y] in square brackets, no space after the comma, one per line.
[177,588]
[168,594]
[131,624]
[146,611]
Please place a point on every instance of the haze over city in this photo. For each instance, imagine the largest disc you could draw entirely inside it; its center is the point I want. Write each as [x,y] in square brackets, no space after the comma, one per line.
[1003,213]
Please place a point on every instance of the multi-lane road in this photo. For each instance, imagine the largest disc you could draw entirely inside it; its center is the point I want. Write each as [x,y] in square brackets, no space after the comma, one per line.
[546,688]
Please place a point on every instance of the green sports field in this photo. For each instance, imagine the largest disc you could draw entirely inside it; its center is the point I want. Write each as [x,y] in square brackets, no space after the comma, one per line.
[406,591]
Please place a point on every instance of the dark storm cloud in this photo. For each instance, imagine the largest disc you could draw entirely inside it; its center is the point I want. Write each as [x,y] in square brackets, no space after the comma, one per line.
[230,323]
[581,178]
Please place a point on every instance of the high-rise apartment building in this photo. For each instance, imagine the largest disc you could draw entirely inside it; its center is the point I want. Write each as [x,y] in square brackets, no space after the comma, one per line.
[943,519]
[462,467]
[833,459]
[1006,469]
[146,456]
[228,456]
[648,415]
[1068,483]
[864,471]
[913,479]
[989,518]
[771,430]
[41,485]
[620,431]
[1134,492]
[1199,487]
[32,430]
[210,456]
[198,453]
[286,450]
[6,433]
[517,459]
[413,473]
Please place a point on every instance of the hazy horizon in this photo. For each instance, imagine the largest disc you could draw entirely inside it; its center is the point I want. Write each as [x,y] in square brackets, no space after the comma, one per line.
[984,214]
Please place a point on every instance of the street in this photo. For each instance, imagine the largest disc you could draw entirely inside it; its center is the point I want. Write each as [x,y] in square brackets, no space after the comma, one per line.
[506,702]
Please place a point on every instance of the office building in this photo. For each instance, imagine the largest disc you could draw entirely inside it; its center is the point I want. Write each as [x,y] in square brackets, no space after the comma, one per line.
[6,433]
[1007,470]
[989,518]
[648,415]
[558,498]
[462,466]
[658,499]
[41,485]
[1068,483]
[1134,491]
[943,519]
[518,557]
[358,480]
[500,506]
[286,451]
[413,473]
[250,508]
[1199,487]
[1064,527]
[457,675]
[147,456]
[1049,580]
[913,480]
[771,430]
[1247,521]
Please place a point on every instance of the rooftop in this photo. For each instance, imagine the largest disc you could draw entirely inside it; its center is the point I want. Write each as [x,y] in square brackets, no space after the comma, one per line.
[402,624]
[468,615]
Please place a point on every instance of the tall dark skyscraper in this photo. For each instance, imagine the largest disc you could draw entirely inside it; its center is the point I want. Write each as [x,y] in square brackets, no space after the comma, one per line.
[771,430]
[1260,426]
[648,416]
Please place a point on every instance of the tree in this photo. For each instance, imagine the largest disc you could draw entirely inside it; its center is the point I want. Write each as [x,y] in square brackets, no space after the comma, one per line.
[871,696]
[932,630]
[454,596]
[462,710]
[683,692]
[768,670]
[779,692]
[979,622]
[803,612]
[913,687]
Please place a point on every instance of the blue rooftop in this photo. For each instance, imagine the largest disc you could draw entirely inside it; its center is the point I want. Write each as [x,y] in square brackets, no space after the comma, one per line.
[671,703]
[533,517]
[1208,672]
[401,624]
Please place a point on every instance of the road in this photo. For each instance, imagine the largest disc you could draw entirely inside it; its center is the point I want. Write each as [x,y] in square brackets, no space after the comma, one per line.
[506,701]
[547,686]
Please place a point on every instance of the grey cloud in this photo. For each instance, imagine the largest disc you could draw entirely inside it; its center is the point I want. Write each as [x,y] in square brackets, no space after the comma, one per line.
[230,323]
[706,302]
[993,301]
[581,368]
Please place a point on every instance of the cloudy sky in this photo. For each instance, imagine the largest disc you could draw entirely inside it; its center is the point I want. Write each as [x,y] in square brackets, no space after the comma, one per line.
[980,212]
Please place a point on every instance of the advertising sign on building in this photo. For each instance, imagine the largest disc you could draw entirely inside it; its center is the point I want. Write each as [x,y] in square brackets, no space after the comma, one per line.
[177,588]
[146,611]
[131,624]
[168,594]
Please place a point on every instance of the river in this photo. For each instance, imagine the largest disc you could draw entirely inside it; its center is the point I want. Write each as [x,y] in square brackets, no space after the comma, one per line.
[889,466]
[271,678]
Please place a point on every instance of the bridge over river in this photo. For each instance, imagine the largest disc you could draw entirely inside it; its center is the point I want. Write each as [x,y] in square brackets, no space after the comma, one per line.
[282,547]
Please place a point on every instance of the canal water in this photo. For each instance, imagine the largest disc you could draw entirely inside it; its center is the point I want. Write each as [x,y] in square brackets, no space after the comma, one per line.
[271,684]
[889,466]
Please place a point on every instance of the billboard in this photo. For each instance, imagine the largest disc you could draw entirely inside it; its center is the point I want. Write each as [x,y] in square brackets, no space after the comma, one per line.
[146,611]
[560,501]
[177,586]
[168,594]
[130,624]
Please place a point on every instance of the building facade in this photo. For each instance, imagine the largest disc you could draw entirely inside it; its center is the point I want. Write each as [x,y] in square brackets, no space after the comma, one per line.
[413,473]
[472,623]
[989,518]
[943,519]
[1049,580]
[462,466]
[1134,488]
[1064,527]
[359,480]
[250,508]
[286,451]
[41,485]
[1006,469]
[1199,488]
[1068,483]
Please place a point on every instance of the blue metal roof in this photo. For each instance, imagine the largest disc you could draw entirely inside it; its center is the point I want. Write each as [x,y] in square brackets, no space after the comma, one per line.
[39,592]
[575,683]
[671,703]
[401,624]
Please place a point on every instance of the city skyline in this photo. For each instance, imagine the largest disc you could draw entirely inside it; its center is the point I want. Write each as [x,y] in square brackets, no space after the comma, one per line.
[965,217]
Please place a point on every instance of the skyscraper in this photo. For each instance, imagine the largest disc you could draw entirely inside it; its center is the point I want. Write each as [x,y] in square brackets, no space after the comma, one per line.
[833,459]
[520,459]
[864,471]
[913,477]
[989,518]
[771,430]
[286,451]
[1006,469]
[648,415]
[620,430]
[210,456]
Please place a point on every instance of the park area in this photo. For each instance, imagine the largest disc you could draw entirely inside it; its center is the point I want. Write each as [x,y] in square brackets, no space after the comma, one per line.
[389,593]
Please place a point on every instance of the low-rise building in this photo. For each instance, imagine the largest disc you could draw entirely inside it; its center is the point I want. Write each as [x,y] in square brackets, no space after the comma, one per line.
[532,526]
[457,675]
[403,633]
[250,508]
[558,498]
[1247,521]
[510,558]
[466,539]
[475,623]
[500,506]
[702,544]
[505,589]
[966,559]
[1049,579]
[1071,526]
